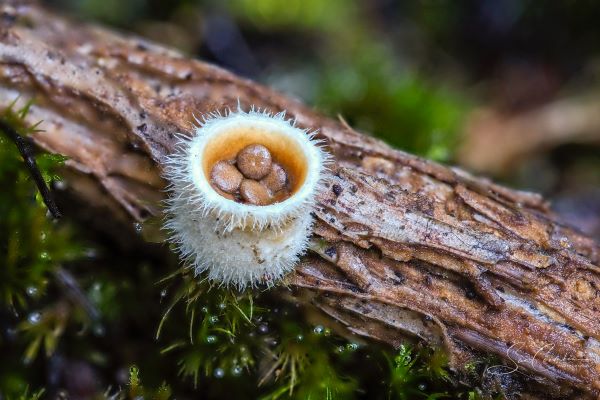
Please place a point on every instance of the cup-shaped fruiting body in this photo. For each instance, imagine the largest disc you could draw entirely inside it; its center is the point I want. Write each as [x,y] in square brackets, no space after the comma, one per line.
[242,191]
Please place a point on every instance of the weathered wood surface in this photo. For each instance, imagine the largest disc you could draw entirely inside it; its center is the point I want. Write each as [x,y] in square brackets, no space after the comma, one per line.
[404,247]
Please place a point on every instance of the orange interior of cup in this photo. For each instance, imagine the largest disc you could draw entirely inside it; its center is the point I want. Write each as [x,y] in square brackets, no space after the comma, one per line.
[284,151]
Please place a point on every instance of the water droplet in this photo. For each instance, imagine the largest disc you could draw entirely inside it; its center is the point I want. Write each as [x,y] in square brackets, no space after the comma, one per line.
[299,337]
[352,346]
[219,373]
[341,349]
[222,306]
[43,236]
[422,387]
[263,329]
[204,309]
[210,339]
[60,185]
[44,255]
[34,317]
[91,252]
[163,293]
[32,291]
[138,227]
[99,330]
[236,370]
[318,330]
[213,319]
[11,333]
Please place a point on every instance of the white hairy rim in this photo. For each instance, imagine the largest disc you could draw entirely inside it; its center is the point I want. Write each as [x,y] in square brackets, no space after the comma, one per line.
[185,171]
[236,243]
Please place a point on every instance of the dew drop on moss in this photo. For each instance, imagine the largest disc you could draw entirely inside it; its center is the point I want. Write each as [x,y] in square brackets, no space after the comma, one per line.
[219,373]
[210,339]
[91,252]
[10,333]
[263,329]
[99,330]
[34,318]
[59,184]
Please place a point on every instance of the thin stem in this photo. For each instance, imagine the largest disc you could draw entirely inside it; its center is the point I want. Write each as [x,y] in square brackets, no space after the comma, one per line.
[26,151]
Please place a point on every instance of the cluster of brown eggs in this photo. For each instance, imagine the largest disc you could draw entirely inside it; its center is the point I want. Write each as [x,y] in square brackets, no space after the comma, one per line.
[252,177]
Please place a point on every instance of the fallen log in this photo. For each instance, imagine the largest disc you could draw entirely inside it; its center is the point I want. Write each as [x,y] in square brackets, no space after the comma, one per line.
[403,247]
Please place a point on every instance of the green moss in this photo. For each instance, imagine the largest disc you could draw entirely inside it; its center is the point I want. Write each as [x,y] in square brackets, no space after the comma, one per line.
[31,244]
[135,389]
[27,395]
[412,373]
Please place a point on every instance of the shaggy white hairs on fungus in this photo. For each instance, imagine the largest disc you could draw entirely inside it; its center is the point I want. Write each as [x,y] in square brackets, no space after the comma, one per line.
[241,244]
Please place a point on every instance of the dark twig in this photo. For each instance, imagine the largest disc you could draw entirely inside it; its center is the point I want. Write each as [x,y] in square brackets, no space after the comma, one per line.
[26,151]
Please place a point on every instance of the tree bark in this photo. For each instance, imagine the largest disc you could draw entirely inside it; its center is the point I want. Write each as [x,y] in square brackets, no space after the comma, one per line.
[406,248]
